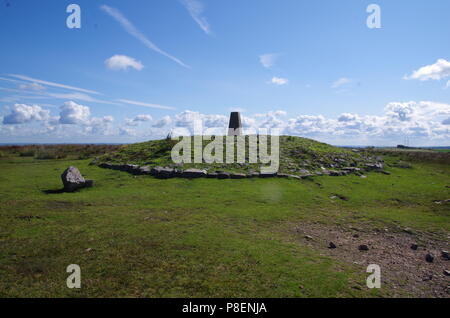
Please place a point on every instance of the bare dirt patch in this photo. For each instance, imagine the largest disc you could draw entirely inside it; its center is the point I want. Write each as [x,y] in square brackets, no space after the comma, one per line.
[404,269]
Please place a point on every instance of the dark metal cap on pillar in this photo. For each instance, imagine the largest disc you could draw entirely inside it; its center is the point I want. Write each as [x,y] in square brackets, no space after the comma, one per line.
[235,127]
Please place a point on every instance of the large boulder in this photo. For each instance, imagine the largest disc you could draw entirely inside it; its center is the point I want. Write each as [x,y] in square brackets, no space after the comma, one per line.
[73,180]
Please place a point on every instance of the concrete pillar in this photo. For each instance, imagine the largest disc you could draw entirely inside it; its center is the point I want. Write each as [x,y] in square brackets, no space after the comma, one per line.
[235,127]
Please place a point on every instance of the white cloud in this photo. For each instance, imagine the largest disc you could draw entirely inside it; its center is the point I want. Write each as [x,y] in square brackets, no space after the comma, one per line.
[136,103]
[426,123]
[279,81]
[22,113]
[341,82]
[447,85]
[436,71]
[132,30]
[195,9]
[123,62]
[165,121]
[137,120]
[58,85]
[268,60]
[73,114]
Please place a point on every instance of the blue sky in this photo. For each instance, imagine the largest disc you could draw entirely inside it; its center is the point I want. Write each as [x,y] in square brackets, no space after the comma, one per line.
[309,68]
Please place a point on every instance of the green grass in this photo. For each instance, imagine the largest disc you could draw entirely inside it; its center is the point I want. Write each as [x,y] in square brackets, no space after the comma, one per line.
[196,238]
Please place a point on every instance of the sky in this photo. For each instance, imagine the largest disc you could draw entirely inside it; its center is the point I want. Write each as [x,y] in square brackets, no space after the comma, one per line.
[136,70]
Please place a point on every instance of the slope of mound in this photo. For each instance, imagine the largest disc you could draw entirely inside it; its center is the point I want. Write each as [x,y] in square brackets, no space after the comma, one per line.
[298,156]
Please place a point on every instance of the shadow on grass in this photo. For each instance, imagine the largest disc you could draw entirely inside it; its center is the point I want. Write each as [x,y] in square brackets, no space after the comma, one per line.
[58,191]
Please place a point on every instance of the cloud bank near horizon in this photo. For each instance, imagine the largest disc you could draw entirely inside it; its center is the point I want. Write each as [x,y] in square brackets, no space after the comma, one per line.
[425,122]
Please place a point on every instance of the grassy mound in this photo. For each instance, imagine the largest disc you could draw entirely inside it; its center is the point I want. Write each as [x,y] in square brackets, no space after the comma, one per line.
[297,156]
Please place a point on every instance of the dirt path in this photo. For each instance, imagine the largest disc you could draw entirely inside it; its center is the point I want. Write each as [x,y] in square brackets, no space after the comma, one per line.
[403,268]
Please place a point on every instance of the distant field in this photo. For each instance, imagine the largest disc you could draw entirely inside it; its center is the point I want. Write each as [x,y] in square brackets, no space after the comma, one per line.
[136,236]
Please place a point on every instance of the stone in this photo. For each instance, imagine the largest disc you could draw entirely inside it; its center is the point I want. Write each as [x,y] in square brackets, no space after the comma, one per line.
[238,176]
[308,237]
[212,175]
[223,175]
[267,174]
[429,258]
[446,272]
[414,247]
[72,179]
[162,173]
[356,235]
[134,169]
[105,166]
[332,245]
[363,247]
[253,175]
[194,173]
[144,170]
[445,254]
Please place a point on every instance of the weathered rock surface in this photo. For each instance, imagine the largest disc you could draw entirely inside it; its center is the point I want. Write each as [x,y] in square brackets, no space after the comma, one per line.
[162,173]
[194,173]
[73,180]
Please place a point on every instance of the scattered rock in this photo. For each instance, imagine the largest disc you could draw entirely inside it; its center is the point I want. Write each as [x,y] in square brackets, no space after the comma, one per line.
[73,180]
[212,175]
[429,258]
[194,173]
[356,235]
[267,174]
[408,230]
[144,170]
[308,237]
[238,176]
[363,176]
[363,247]
[223,175]
[446,272]
[162,173]
[445,254]
[88,249]
[332,245]
[414,247]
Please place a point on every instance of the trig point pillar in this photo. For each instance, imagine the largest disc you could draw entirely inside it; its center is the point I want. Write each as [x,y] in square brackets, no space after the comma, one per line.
[235,127]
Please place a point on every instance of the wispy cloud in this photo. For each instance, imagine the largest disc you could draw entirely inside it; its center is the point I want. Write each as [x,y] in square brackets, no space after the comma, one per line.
[279,81]
[268,60]
[59,85]
[341,82]
[136,103]
[79,97]
[195,9]
[132,30]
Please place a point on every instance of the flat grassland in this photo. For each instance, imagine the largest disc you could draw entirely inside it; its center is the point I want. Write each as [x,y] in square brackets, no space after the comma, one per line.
[137,236]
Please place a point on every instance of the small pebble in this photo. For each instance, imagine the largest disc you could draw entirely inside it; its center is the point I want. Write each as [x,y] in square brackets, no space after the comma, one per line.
[429,258]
